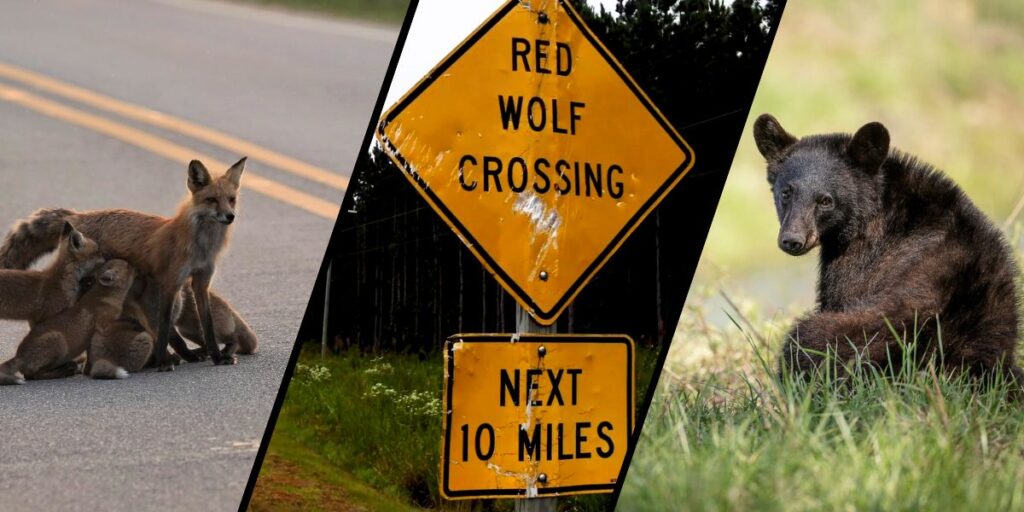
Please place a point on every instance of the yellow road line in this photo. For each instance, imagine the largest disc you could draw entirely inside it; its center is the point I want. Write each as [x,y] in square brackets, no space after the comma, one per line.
[167,149]
[169,122]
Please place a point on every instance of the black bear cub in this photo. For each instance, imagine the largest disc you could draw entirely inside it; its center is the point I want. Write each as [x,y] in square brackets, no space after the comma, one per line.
[902,249]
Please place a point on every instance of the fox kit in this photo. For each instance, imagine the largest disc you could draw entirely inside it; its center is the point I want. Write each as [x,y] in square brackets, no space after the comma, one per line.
[228,326]
[50,348]
[35,295]
[122,347]
[169,251]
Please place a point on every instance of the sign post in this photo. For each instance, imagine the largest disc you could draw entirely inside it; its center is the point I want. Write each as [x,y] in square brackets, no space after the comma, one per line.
[327,309]
[543,155]
[526,324]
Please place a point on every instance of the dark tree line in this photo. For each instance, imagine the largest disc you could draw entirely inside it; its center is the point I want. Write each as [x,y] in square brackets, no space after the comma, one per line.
[402,281]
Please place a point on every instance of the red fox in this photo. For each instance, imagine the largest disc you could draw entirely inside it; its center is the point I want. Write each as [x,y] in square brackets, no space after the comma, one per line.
[228,326]
[169,251]
[117,349]
[35,295]
[50,348]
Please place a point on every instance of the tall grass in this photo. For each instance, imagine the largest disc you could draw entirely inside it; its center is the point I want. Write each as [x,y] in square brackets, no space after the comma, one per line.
[379,418]
[921,441]
[724,433]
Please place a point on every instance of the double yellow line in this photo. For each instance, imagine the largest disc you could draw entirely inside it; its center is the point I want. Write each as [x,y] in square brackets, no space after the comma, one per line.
[164,147]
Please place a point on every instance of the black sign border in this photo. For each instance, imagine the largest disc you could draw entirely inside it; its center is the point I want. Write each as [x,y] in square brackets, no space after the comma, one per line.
[531,338]
[545,317]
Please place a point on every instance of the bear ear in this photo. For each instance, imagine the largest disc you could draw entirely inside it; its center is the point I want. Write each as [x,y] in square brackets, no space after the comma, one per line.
[869,146]
[771,138]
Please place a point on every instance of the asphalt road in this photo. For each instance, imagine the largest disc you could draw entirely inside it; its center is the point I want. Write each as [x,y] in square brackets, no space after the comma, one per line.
[301,87]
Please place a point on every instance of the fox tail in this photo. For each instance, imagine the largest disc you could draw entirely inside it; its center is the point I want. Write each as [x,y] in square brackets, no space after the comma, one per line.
[33,237]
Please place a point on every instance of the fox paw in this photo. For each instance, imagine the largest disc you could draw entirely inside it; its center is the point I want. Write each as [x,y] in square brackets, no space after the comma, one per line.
[195,355]
[173,358]
[225,360]
[16,378]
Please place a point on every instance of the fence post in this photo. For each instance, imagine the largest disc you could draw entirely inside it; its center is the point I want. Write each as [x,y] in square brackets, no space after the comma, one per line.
[327,309]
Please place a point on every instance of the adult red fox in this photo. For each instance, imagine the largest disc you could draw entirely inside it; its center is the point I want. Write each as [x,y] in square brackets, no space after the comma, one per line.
[170,252]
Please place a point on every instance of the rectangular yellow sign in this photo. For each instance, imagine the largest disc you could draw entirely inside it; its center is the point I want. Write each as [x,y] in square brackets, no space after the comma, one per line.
[530,415]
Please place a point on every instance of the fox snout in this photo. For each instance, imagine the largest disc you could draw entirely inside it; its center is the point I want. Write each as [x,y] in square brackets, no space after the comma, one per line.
[226,218]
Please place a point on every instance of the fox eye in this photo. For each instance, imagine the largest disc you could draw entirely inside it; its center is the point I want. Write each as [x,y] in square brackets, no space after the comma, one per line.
[231,200]
[211,200]
[826,201]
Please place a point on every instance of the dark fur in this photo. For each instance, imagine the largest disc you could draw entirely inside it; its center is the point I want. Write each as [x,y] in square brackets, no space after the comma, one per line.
[902,246]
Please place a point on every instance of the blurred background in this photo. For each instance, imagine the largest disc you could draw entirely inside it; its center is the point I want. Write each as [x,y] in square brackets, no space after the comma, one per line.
[382,11]
[945,76]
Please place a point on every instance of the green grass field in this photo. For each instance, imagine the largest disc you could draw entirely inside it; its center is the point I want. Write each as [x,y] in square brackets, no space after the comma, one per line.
[947,78]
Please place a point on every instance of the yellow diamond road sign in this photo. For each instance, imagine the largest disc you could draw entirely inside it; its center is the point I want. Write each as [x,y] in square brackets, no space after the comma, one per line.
[535,414]
[538,149]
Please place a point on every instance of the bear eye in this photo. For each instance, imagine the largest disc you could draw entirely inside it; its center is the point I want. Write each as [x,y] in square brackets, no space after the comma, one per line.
[786,194]
[826,201]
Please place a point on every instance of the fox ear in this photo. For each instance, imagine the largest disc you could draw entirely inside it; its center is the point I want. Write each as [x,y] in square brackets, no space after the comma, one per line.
[234,174]
[107,277]
[771,138]
[74,237]
[869,146]
[198,176]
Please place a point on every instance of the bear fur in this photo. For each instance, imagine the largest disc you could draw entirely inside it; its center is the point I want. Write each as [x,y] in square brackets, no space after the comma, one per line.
[902,249]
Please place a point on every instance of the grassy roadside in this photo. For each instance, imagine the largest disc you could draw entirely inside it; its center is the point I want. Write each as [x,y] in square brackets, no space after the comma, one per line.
[378,419]
[378,11]
[374,423]
[295,477]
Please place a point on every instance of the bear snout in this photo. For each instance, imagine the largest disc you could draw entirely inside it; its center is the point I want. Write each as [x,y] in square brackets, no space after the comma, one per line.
[792,243]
